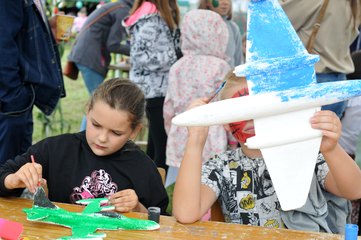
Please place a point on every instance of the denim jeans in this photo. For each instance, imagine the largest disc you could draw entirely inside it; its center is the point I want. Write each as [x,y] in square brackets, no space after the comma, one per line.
[15,134]
[92,80]
[339,107]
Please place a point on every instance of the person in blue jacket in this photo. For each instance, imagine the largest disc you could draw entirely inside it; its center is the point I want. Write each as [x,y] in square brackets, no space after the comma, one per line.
[30,73]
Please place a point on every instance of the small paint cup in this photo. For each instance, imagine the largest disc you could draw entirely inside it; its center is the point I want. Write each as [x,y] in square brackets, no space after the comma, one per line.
[351,231]
[64,24]
[154,214]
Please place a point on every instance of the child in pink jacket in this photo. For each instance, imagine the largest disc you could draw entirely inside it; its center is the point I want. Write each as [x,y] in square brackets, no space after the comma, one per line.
[198,73]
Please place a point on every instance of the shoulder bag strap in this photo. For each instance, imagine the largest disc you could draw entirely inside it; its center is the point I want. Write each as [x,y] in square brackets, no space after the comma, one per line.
[316,27]
[98,17]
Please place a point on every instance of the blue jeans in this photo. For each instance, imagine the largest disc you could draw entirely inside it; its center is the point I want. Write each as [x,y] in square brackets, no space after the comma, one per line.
[15,135]
[339,107]
[92,80]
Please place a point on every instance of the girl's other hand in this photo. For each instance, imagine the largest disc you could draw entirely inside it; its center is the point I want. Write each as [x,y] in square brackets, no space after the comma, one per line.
[198,102]
[330,125]
[125,201]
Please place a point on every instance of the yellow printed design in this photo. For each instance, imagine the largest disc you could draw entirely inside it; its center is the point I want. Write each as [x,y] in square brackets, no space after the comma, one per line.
[245,181]
[233,165]
[272,223]
[247,202]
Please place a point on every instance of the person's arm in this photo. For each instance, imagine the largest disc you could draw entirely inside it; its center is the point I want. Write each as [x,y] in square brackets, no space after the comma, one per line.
[53,26]
[116,35]
[344,177]
[168,107]
[19,173]
[147,188]
[12,88]
[191,199]
[168,112]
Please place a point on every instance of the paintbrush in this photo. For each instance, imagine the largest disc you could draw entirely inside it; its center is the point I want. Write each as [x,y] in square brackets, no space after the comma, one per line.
[217,91]
[33,161]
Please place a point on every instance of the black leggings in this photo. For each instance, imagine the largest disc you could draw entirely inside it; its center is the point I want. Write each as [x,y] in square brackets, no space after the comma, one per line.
[157,137]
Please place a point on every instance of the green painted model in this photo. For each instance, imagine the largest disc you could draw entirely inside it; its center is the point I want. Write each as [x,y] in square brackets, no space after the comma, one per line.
[84,224]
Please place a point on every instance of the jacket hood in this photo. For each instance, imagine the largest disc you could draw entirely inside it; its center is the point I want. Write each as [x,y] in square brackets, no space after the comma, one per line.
[204,32]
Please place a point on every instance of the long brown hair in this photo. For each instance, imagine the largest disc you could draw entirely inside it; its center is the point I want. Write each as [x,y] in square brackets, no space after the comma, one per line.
[168,10]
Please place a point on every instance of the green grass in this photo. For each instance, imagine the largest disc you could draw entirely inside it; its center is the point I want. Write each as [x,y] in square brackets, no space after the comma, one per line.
[170,190]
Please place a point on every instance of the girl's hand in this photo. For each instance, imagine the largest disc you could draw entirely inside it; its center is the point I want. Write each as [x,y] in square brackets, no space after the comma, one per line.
[330,125]
[200,131]
[126,201]
[198,102]
[28,176]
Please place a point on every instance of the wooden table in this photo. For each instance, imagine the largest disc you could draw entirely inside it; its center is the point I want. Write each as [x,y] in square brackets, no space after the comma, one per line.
[11,209]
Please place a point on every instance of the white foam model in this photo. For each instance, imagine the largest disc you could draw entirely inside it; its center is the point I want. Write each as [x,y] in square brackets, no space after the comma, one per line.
[283,97]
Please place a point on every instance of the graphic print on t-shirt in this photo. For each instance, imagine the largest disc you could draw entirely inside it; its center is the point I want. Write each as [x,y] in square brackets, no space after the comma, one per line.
[257,202]
[246,191]
[99,184]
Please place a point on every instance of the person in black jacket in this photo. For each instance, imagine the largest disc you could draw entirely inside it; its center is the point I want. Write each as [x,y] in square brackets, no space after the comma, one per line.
[99,162]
